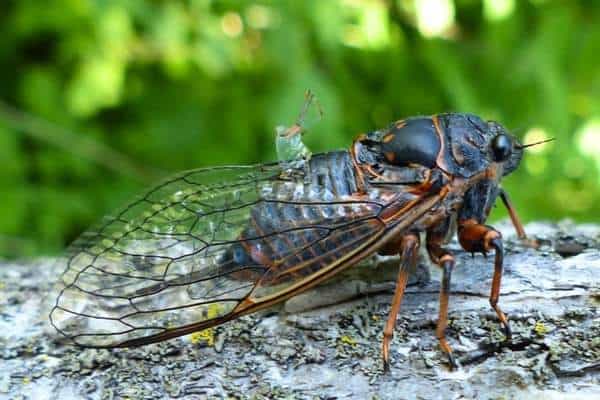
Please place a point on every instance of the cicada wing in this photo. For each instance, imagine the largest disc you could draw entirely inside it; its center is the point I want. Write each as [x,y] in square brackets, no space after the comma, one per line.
[140,271]
[196,248]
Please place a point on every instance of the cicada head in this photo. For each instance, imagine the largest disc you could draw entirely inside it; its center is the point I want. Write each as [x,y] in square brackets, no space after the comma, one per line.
[472,146]
[504,148]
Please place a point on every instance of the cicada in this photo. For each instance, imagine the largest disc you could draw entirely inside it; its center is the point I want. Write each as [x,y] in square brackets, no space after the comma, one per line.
[210,245]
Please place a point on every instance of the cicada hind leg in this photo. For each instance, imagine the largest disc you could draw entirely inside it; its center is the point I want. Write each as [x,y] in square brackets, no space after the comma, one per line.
[443,258]
[409,250]
[474,237]
[478,238]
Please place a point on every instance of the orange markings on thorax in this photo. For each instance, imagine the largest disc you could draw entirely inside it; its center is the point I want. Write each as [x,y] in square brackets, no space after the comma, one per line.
[360,177]
[440,158]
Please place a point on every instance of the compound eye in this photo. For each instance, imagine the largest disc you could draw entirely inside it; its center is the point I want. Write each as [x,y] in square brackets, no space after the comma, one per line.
[502,147]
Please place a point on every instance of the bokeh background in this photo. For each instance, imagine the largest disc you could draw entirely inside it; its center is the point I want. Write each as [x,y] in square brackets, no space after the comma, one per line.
[101,98]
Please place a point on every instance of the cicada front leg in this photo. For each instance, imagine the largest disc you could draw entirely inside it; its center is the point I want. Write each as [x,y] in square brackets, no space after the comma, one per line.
[475,237]
[409,249]
[516,221]
[443,258]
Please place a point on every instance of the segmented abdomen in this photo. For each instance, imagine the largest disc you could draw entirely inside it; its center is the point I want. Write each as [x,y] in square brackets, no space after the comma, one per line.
[297,232]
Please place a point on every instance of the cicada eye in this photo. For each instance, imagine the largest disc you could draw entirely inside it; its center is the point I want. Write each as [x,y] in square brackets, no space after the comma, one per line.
[502,147]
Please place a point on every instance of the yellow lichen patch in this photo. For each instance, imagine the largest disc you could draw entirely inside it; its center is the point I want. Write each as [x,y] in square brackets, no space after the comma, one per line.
[213,311]
[207,335]
[348,341]
[540,329]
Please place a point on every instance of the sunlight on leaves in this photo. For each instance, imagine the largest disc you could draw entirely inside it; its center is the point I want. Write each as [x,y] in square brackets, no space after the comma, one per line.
[588,140]
[232,25]
[435,18]
[97,84]
[371,29]
[497,10]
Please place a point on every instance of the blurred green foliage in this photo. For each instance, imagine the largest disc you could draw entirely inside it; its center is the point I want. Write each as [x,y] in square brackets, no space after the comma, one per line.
[100,98]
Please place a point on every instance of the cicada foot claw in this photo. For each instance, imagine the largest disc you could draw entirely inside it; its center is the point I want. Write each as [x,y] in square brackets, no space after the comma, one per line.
[507,332]
[503,321]
[531,243]
[454,365]
[386,366]
[385,359]
[446,349]
[385,353]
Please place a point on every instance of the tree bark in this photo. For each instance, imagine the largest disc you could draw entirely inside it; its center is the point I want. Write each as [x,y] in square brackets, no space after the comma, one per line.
[327,342]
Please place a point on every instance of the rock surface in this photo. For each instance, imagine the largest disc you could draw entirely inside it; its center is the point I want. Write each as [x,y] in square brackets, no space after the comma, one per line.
[326,344]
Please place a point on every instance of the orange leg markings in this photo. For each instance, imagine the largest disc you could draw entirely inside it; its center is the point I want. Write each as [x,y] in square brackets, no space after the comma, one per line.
[476,237]
[447,264]
[513,215]
[443,258]
[516,221]
[496,243]
[408,257]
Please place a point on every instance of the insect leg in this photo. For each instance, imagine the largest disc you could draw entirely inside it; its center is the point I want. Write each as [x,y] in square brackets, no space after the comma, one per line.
[516,221]
[447,264]
[495,292]
[513,214]
[442,257]
[409,249]
[475,237]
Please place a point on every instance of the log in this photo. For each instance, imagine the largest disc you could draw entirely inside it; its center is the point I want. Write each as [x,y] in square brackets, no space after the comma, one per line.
[326,343]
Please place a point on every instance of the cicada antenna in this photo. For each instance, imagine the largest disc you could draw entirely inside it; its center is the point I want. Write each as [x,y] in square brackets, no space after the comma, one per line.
[523,146]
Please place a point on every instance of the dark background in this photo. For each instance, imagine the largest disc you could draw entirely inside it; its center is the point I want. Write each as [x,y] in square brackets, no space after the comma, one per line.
[99,99]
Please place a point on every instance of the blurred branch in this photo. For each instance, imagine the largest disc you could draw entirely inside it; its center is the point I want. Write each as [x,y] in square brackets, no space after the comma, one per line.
[79,145]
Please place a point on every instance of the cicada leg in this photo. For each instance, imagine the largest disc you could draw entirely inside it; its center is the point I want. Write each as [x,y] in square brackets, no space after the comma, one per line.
[512,212]
[409,249]
[475,237]
[445,260]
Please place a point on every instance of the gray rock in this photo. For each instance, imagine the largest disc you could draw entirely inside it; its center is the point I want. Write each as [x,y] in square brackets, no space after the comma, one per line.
[326,343]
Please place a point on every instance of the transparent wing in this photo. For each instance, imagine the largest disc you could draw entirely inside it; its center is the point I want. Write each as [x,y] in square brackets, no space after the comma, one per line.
[204,247]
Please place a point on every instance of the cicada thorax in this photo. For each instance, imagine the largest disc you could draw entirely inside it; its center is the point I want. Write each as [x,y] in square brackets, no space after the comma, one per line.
[411,141]
[454,143]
